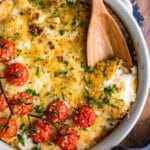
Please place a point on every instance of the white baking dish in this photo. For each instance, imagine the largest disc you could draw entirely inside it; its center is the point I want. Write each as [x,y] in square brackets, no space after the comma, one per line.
[123,9]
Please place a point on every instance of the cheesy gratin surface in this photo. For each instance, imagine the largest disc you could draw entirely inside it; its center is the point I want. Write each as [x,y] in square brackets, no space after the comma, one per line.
[50,38]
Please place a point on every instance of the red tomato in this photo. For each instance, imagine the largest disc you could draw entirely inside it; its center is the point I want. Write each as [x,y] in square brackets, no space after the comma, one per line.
[57,111]
[7,50]
[3,104]
[21,103]
[40,131]
[7,130]
[17,74]
[85,118]
[67,138]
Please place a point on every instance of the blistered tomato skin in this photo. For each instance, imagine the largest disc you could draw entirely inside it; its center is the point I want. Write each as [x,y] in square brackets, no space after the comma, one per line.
[3,104]
[17,74]
[85,117]
[57,111]
[8,128]
[7,51]
[21,103]
[40,131]
[67,138]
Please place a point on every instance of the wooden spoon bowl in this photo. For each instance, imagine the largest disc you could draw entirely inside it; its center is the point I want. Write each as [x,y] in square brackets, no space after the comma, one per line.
[105,38]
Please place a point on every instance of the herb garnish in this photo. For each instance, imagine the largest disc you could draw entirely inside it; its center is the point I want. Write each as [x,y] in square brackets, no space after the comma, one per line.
[62,32]
[16,34]
[66,62]
[90,69]
[114,59]
[69,2]
[56,14]
[62,72]
[114,106]
[35,148]
[41,3]
[19,51]
[95,104]
[82,64]
[107,101]
[38,109]
[47,93]
[38,59]
[121,100]
[38,71]
[33,37]
[110,89]
[22,126]
[32,92]
[20,139]
[56,97]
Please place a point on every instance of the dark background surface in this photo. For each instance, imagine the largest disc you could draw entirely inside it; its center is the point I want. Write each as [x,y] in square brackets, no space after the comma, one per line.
[141,132]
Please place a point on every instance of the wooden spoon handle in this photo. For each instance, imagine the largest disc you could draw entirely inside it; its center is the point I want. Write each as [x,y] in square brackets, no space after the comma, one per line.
[98,7]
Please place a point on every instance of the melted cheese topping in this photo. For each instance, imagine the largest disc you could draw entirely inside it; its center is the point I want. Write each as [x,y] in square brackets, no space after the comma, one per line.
[51,41]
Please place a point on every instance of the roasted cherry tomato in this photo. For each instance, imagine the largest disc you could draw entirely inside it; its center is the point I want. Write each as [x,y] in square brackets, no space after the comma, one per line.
[67,138]
[85,117]
[7,50]
[40,131]
[21,103]
[3,104]
[17,74]
[57,111]
[8,128]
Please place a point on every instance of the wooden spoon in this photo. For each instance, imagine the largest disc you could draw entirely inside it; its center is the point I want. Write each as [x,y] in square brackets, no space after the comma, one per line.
[105,39]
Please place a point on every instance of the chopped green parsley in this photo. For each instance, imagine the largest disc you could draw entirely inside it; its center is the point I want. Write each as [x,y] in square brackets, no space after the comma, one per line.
[110,89]
[38,71]
[90,69]
[95,104]
[32,92]
[62,72]
[20,139]
[62,32]
[66,62]
[38,109]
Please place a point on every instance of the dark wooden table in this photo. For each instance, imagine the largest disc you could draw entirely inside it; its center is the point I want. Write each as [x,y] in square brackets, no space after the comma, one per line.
[140,133]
